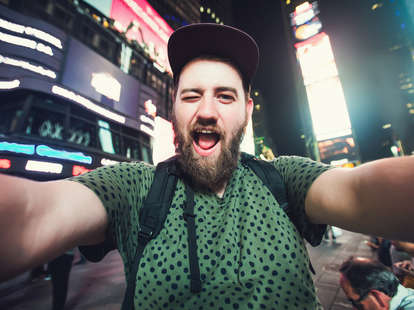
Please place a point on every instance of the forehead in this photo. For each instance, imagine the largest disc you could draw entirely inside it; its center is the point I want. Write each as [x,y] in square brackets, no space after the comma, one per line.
[206,72]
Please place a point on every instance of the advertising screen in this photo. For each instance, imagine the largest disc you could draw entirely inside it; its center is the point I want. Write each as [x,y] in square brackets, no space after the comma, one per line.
[94,77]
[29,47]
[326,99]
[338,150]
[144,25]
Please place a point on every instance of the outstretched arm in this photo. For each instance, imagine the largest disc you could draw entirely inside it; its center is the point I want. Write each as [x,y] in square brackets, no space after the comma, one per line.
[375,198]
[40,220]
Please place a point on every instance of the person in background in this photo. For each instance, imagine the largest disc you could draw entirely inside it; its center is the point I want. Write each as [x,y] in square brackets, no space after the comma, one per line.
[370,285]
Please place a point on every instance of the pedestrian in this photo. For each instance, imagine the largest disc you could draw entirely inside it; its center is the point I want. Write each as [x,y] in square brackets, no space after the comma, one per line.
[60,268]
[369,284]
[244,249]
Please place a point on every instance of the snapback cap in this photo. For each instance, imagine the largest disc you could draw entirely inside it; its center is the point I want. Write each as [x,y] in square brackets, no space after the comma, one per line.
[191,41]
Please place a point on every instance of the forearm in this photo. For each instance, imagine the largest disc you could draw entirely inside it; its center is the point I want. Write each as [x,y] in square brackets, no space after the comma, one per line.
[14,217]
[385,197]
[375,198]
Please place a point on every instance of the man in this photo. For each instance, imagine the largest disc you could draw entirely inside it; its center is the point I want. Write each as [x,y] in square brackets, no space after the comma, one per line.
[249,253]
[370,285]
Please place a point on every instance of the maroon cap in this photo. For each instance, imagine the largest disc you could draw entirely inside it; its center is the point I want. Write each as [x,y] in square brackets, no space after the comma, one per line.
[194,40]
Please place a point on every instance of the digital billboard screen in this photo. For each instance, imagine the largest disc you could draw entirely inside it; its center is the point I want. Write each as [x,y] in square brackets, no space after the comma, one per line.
[147,27]
[94,77]
[340,149]
[326,99]
[29,47]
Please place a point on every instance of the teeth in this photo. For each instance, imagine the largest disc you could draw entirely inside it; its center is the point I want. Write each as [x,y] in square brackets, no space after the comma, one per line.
[206,131]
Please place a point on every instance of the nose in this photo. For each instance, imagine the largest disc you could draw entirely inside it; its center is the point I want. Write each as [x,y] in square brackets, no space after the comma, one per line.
[207,108]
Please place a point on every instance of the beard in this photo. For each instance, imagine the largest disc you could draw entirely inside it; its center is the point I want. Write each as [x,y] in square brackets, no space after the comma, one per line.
[206,173]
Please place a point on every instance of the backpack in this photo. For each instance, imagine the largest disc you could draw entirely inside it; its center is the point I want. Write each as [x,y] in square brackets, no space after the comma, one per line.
[155,209]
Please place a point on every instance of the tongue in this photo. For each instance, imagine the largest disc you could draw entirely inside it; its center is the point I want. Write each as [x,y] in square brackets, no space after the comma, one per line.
[206,141]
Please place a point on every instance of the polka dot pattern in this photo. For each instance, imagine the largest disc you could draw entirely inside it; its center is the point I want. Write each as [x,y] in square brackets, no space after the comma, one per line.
[251,256]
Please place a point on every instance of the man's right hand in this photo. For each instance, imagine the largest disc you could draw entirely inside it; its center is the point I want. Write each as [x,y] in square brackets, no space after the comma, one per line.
[41,220]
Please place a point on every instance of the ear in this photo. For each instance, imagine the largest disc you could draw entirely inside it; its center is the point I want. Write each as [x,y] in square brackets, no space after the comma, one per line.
[382,298]
[249,107]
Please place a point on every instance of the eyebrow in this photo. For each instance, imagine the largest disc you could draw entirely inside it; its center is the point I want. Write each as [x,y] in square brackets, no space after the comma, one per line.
[190,90]
[218,89]
[231,89]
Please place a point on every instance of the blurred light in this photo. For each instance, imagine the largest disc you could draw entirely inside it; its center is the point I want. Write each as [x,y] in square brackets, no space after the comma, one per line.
[43,166]
[303,7]
[27,66]
[158,67]
[217,20]
[208,11]
[302,136]
[147,130]
[8,38]
[287,2]
[150,108]
[87,103]
[394,150]
[78,170]
[221,23]
[256,93]
[386,126]
[39,34]
[402,26]
[147,120]
[47,151]
[257,107]
[107,162]
[5,163]
[9,84]
[376,6]
[213,15]
[411,111]
[406,86]
[201,9]
[397,13]
[28,149]
[339,162]
[107,85]
[409,105]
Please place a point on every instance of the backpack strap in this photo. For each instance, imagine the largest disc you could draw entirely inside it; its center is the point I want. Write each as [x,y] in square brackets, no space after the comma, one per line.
[151,219]
[272,179]
[269,176]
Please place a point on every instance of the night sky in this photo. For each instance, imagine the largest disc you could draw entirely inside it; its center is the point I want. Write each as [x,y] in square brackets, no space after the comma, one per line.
[262,19]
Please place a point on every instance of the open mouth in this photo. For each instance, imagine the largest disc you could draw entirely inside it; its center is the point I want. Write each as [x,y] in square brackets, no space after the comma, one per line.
[205,141]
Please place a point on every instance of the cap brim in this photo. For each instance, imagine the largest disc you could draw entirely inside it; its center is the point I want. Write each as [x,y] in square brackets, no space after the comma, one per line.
[194,40]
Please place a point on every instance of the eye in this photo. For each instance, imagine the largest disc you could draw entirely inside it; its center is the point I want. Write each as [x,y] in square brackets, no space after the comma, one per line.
[226,98]
[190,98]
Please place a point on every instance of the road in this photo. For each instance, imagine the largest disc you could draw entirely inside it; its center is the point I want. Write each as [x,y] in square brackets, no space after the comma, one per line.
[101,285]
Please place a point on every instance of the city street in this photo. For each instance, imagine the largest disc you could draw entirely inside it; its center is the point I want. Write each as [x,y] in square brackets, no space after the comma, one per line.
[101,286]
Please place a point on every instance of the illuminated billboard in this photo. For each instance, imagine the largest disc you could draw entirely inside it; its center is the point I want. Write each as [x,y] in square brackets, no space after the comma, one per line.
[29,47]
[326,99]
[143,24]
[340,150]
[96,78]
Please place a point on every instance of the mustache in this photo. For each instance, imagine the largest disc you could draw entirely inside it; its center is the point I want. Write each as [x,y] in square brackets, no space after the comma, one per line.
[206,124]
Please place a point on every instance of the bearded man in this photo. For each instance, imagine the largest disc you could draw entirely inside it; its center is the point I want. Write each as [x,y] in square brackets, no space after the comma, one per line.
[250,254]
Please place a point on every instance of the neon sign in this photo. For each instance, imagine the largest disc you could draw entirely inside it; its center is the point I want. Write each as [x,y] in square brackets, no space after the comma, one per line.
[28,149]
[107,85]
[78,170]
[43,166]
[47,151]
[11,39]
[27,66]
[5,163]
[9,84]
[39,34]
[87,103]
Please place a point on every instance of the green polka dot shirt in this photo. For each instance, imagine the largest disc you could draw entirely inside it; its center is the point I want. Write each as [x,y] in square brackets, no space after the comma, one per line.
[251,255]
